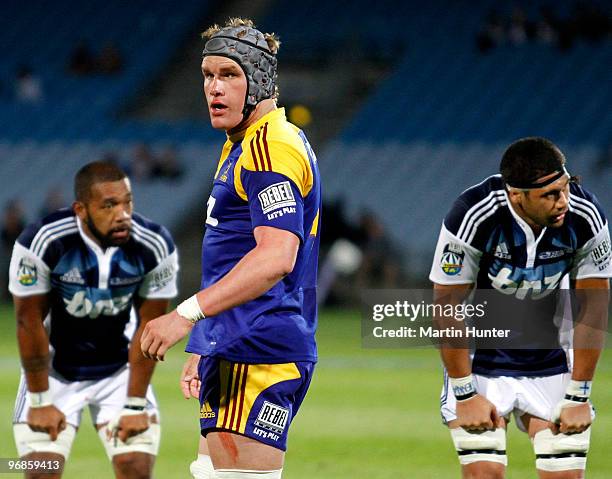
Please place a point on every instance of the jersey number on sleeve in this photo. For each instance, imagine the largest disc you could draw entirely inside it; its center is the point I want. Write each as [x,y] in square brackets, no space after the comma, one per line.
[210,204]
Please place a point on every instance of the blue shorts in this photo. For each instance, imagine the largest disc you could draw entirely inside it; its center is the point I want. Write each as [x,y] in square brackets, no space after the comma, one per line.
[255,400]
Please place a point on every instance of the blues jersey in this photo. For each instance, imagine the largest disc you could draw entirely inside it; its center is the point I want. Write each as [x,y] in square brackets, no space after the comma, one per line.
[483,241]
[268,178]
[91,291]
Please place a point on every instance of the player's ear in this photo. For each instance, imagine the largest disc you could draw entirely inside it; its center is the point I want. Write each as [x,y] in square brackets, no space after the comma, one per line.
[79,209]
[514,196]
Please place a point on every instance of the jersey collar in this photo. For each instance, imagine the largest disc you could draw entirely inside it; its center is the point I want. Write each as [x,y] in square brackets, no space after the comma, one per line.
[532,241]
[95,247]
[278,113]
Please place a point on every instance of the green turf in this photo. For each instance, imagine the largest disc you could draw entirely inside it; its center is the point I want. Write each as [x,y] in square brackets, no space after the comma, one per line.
[369,414]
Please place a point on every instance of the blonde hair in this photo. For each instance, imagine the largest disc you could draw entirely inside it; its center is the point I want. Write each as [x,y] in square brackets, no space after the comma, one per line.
[235,22]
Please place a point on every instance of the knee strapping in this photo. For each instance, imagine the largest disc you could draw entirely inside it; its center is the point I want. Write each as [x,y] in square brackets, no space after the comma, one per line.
[243,474]
[480,446]
[561,452]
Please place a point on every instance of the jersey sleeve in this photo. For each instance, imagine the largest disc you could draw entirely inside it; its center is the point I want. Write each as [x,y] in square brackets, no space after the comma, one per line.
[29,275]
[160,282]
[594,259]
[274,178]
[455,262]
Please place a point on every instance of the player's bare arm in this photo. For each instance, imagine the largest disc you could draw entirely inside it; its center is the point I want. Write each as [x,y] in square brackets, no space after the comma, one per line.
[593,296]
[141,371]
[33,344]
[475,413]
[265,265]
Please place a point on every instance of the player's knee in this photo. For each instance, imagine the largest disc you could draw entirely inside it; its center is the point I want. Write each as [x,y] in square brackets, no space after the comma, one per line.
[135,465]
[482,447]
[55,460]
[483,470]
[244,474]
[561,452]
[202,468]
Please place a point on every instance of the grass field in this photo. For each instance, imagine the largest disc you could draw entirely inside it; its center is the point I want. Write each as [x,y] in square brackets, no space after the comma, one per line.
[369,414]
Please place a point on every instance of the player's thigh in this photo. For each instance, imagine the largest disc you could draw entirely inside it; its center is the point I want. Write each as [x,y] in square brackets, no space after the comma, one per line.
[55,461]
[253,405]
[229,450]
[558,456]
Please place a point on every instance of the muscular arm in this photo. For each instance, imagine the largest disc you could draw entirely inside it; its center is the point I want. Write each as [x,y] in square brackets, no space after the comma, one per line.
[33,340]
[589,332]
[260,269]
[141,368]
[456,360]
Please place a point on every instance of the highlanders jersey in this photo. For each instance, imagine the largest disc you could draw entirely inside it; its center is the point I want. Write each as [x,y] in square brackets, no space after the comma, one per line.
[269,178]
[484,242]
[91,291]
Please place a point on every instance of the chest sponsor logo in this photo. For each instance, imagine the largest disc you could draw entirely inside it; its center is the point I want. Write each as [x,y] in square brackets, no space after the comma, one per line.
[452,259]
[504,282]
[125,281]
[272,417]
[551,254]
[80,305]
[73,276]
[277,196]
[27,273]
[602,254]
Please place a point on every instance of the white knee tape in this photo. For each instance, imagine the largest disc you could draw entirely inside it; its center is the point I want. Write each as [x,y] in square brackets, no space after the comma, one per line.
[482,446]
[28,441]
[147,442]
[561,452]
[242,474]
[202,468]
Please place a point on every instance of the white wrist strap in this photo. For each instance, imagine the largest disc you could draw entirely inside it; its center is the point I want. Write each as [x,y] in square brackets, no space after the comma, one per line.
[40,399]
[190,309]
[463,388]
[135,403]
[580,389]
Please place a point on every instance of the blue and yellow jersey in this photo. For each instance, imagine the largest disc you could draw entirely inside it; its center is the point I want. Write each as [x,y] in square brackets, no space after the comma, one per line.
[269,178]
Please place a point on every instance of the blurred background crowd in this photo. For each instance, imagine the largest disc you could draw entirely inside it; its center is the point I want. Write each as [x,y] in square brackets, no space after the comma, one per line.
[406,104]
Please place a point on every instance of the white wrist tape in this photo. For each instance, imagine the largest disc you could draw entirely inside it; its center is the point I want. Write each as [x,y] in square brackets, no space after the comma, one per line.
[463,388]
[135,403]
[190,309]
[40,399]
[579,388]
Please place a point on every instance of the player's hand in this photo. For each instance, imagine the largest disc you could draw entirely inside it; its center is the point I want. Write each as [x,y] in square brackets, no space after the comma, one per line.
[127,424]
[162,333]
[478,414]
[573,418]
[190,381]
[47,419]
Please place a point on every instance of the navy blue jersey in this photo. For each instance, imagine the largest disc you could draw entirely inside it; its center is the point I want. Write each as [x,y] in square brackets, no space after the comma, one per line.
[484,242]
[91,290]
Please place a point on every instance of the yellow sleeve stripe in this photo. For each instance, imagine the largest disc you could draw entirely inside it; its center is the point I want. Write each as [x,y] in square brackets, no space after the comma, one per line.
[260,151]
